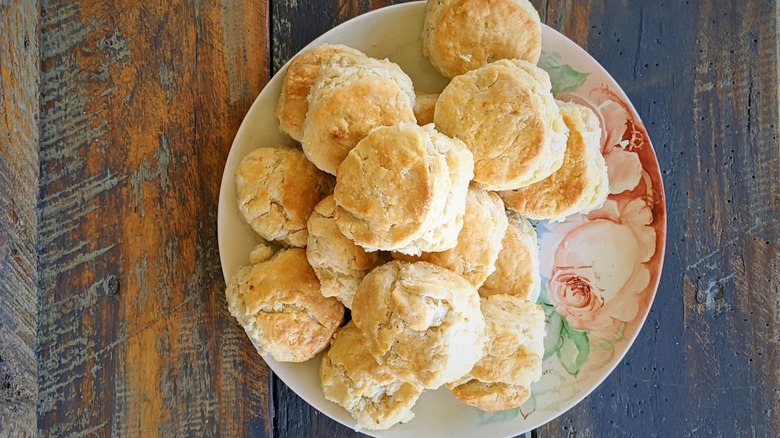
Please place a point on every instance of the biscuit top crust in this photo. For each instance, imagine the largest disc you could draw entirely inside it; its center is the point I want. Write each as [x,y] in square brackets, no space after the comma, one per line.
[421,321]
[393,182]
[351,96]
[508,118]
[293,100]
[277,189]
[279,304]
[463,35]
[577,185]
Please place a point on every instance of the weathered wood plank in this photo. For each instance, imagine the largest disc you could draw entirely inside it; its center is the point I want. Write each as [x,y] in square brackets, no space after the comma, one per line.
[703,76]
[19,167]
[140,102]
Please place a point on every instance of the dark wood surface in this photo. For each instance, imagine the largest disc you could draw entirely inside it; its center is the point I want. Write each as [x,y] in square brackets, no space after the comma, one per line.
[139,104]
[138,107]
[703,76]
[19,75]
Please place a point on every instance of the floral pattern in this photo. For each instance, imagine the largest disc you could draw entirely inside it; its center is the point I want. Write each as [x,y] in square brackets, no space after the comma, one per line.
[600,270]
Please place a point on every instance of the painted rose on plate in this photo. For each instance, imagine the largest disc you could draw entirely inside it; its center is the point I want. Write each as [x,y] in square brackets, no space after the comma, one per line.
[599,268]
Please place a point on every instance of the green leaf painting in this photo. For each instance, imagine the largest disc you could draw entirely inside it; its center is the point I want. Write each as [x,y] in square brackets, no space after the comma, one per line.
[494,417]
[553,341]
[564,78]
[571,346]
[574,349]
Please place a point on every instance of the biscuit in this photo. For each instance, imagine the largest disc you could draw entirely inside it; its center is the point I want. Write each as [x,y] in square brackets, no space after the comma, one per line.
[277,190]
[262,252]
[517,266]
[351,377]
[420,321]
[479,241]
[338,262]
[463,35]
[352,95]
[512,358]
[507,116]
[403,188]
[580,185]
[293,100]
[424,105]
[279,305]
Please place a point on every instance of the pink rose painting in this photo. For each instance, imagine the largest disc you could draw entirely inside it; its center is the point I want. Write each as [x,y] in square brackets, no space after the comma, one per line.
[601,268]
[598,284]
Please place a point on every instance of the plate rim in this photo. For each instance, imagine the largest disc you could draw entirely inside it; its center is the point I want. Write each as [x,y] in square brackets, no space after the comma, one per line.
[660,214]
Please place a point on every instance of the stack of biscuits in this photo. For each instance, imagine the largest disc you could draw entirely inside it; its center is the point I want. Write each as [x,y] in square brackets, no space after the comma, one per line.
[411,209]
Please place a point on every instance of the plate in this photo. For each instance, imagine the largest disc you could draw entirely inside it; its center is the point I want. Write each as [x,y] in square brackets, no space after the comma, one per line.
[600,272]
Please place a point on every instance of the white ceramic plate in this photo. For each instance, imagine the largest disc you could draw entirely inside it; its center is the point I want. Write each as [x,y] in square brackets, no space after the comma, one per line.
[600,272]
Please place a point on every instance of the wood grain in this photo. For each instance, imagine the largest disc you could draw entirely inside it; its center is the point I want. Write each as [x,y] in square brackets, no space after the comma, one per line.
[703,76]
[140,102]
[19,166]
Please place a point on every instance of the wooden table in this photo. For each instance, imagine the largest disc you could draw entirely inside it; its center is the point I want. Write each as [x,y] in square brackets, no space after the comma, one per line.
[115,122]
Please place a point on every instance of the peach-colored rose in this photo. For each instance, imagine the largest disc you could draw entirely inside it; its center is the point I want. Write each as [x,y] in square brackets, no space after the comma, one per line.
[599,268]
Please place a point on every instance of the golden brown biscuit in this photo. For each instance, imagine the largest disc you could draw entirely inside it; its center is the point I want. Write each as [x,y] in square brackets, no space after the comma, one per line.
[424,105]
[490,396]
[277,190]
[463,35]
[422,322]
[403,188]
[512,358]
[479,242]
[580,185]
[352,378]
[507,116]
[293,101]
[517,266]
[279,305]
[338,262]
[352,95]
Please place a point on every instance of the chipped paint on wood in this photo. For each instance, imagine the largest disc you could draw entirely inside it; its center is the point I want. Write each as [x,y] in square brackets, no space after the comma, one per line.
[703,77]
[19,167]
[139,108]
[139,105]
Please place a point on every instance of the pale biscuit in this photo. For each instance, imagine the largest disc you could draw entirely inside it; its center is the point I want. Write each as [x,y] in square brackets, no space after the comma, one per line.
[479,241]
[293,100]
[352,95]
[262,252]
[580,185]
[338,262]
[512,358]
[351,377]
[279,305]
[507,116]
[422,322]
[517,266]
[424,106]
[462,35]
[403,188]
[277,189]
